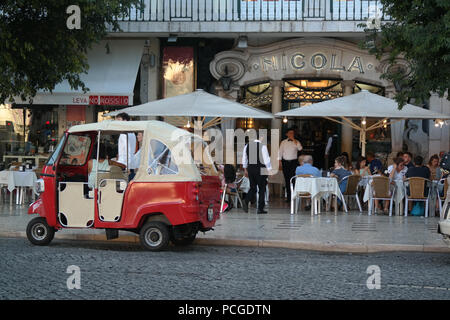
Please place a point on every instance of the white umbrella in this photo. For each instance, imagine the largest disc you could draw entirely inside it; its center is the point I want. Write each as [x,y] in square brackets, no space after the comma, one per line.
[363,105]
[196,104]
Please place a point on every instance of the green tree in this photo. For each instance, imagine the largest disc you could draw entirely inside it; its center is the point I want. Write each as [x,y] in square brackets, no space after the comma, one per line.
[419,34]
[37,48]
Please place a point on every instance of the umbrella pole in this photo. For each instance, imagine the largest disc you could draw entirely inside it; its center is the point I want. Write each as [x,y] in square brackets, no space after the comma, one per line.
[363,137]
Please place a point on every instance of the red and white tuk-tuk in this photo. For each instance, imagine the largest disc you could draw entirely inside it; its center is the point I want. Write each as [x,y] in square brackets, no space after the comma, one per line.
[171,198]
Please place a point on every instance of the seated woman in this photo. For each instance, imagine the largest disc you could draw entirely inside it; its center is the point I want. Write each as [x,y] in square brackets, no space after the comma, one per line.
[102,165]
[397,170]
[340,173]
[361,167]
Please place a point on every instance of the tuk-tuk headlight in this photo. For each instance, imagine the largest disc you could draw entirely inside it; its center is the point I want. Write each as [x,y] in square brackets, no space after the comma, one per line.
[39,186]
[210,214]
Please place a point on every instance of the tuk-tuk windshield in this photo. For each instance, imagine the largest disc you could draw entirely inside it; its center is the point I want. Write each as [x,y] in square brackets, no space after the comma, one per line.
[54,156]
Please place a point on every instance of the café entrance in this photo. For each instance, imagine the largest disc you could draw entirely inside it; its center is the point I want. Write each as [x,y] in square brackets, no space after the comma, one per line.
[296,93]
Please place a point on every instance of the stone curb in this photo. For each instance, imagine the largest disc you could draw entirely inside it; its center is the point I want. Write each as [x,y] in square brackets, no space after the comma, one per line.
[310,246]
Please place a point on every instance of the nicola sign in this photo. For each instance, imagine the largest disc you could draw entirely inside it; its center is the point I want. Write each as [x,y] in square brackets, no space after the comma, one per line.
[300,61]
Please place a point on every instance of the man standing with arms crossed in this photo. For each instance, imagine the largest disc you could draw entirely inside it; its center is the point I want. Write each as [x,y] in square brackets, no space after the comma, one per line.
[287,155]
[256,162]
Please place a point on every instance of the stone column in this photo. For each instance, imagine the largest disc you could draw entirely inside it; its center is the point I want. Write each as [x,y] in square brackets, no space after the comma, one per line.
[347,131]
[277,100]
[152,74]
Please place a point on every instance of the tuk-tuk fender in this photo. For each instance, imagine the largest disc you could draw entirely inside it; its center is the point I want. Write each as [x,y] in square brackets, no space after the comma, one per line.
[37,207]
[176,212]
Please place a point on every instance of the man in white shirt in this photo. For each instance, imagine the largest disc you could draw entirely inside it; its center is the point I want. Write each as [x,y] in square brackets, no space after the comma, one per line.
[126,147]
[256,171]
[288,157]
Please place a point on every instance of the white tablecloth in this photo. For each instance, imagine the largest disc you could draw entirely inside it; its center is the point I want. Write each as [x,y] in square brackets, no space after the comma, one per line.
[317,187]
[17,179]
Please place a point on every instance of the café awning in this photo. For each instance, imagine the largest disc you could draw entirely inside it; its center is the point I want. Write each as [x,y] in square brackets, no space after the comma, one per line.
[361,106]
[198,104]
[113,67]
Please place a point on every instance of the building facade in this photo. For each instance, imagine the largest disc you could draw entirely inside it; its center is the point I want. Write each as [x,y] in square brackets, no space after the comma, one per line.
[274,55]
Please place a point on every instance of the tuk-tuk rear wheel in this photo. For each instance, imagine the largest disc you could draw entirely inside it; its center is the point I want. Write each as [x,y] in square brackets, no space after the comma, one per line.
[154,236]
[39,232]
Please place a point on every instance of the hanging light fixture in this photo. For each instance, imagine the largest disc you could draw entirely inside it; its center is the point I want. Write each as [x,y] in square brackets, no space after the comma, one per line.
[285,120]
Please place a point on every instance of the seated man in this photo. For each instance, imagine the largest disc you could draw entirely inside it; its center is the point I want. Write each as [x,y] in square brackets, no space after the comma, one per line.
[307,167]
[375,165]
[419,170]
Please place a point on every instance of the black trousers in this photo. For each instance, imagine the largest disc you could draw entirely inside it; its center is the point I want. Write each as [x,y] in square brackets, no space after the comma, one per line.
[256,181]
[289,167]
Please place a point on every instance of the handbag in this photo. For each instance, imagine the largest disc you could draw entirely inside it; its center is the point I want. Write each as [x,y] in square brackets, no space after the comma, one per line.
[418,209]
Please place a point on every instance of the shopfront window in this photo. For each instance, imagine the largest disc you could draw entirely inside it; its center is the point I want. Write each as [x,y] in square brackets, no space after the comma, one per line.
[306,91]
[259,96]
[371,88]
[27,134]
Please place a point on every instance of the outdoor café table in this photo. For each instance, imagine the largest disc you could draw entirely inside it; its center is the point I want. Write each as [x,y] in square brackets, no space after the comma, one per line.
[317,188]
[398,187]
[18,179]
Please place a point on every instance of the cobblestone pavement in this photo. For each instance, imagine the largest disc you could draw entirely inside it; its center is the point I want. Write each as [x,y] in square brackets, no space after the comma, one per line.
[126,271]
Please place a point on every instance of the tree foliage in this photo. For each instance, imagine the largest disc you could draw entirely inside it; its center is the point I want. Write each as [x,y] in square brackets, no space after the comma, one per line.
[38,50]
[419,34]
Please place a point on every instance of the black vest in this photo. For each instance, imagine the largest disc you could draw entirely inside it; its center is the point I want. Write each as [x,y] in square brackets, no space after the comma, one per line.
[259,158]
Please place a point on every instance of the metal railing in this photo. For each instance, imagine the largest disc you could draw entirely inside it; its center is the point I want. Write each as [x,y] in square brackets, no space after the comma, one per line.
[256,10]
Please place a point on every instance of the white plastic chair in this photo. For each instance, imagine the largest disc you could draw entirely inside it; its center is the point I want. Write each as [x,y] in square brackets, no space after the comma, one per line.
[298,197]
[446,197]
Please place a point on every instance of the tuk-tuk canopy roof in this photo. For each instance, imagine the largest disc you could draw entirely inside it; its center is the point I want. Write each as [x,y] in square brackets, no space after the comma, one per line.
[126,126]
[153,129]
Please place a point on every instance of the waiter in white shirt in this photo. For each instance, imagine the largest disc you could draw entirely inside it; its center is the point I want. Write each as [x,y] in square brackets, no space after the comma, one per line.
[287,155]
[257,173]
[126,150]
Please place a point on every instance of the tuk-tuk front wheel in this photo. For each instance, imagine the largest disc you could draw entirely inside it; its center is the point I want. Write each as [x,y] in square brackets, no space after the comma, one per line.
[154,236]
[39,232]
